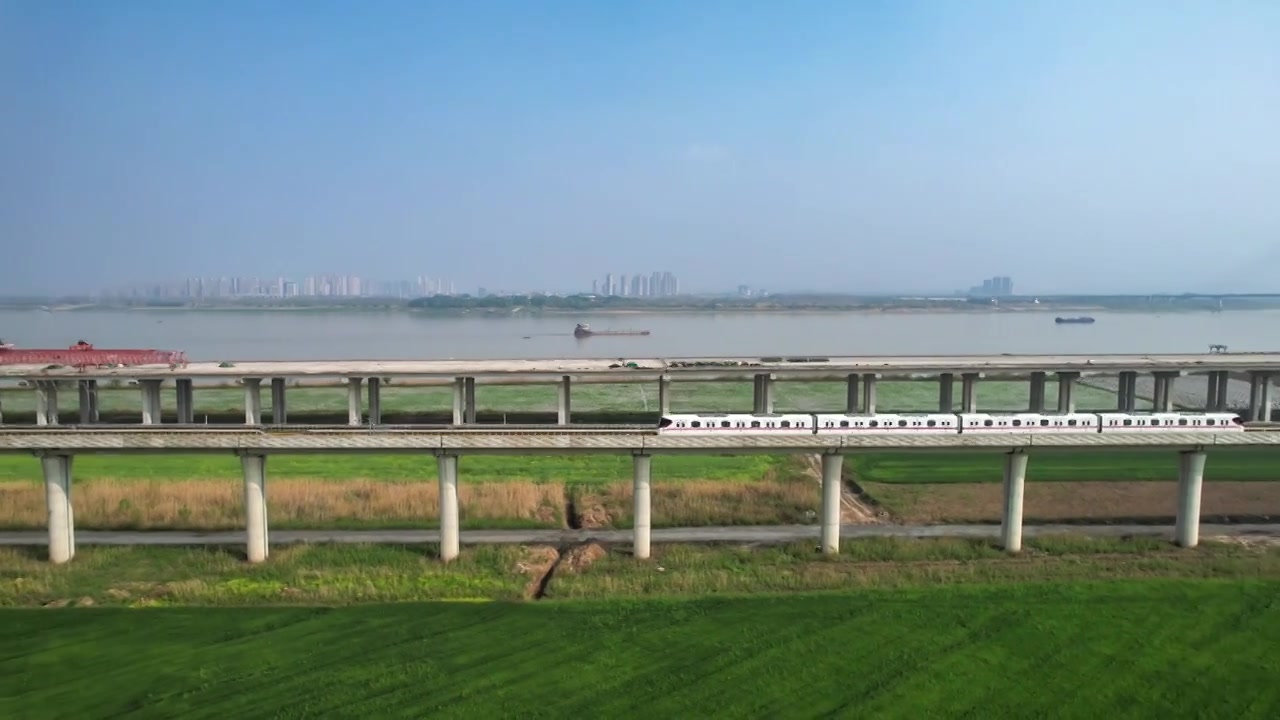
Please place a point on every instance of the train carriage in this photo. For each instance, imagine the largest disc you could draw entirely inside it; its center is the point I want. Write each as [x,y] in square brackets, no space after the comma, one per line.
[888,423]
[1028,422]
[730,423]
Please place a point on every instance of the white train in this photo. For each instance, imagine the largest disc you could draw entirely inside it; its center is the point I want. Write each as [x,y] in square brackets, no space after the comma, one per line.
[946,423]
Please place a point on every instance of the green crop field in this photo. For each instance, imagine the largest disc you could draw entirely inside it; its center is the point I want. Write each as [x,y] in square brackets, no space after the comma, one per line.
[1075,466]
[1128,648]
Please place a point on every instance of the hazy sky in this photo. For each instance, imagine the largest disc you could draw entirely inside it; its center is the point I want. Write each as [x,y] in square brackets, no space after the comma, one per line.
[845,145]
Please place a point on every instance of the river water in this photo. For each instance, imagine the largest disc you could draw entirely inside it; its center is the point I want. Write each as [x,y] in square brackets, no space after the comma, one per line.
[321,335]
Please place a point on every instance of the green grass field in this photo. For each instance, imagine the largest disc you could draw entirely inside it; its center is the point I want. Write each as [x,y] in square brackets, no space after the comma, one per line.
[886,467]
[626,398]
[914,468]
[1120,649]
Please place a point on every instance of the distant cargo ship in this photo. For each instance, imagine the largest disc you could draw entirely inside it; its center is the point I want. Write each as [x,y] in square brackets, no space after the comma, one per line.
[584,330]
[1082,320]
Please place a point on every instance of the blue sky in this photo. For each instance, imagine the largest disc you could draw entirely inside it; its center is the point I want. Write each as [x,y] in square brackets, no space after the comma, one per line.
[846,146]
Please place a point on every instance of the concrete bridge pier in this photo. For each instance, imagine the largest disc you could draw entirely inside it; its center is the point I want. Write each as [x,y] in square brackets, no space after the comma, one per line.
[252,401]
[57,494]
[946,391]
[46,402]
[640,465]
[355,412]
[762,400]
[1216,395]
[1015,477]
[1127,392]
[375,401]
[151,406]
[1036,404]
[562,400]
[831,486]
[869,392]
[279,404]
[851,394]
[186,397]
[1163,400]
[447,468]
[255,506]
[664,395]
[1066,391]
[1260,399]
[1190,481]
[464,400]
[969,392]
[88,401]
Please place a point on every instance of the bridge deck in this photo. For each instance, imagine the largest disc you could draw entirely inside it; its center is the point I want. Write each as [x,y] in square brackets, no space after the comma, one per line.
[561,442]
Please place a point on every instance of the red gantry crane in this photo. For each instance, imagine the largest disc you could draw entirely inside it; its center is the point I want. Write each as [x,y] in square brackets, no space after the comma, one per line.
[84,355]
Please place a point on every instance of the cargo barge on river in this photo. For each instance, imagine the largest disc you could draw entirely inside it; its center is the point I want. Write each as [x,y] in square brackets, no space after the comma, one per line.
[584,330]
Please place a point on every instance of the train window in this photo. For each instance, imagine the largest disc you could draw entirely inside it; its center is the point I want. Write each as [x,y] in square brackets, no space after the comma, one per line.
[1209,421]
[695,423]
[1127,422]
[1072,423]
[755,423]
[786,423]
[931,423]
[873,423]
[987,423]
[844,423]
[1044,422]
[725,423]
[1154,422]
[1017,423]
[664,422]
[1182,421]
[902,423]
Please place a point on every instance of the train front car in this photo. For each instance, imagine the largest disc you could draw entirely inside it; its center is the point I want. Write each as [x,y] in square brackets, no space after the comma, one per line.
[1117,422]
[736,424]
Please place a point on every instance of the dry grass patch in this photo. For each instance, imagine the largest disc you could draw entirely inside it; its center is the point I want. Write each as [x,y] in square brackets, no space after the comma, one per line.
[219,504]
[1072,501]
[700,503]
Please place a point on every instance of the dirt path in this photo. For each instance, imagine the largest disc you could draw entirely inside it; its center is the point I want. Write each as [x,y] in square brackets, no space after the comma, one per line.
[853,509]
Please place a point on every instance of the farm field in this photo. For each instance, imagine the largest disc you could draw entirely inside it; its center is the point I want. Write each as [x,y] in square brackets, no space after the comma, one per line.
[196,492]
[1030,650]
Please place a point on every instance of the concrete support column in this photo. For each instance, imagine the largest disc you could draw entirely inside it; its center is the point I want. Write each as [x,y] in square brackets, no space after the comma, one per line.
[46,402]
[255,506]
[88,402]
[851,395]
[253,401]
[1036,404]
[447,467]
[562,400]
[869,393]
[1066,391]
[763,396]
[1224,380]
[279,405]
[664,395]
[1190,480]
[1163,401]
[355,412]
[186,396]
[1015,476]
[375,401]
[57,495]
[831,486]
[969,392]
[1127,392]
[640,501]
[464,400]
[946,391]
[1211,400]
[151,407]
[1267,390]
